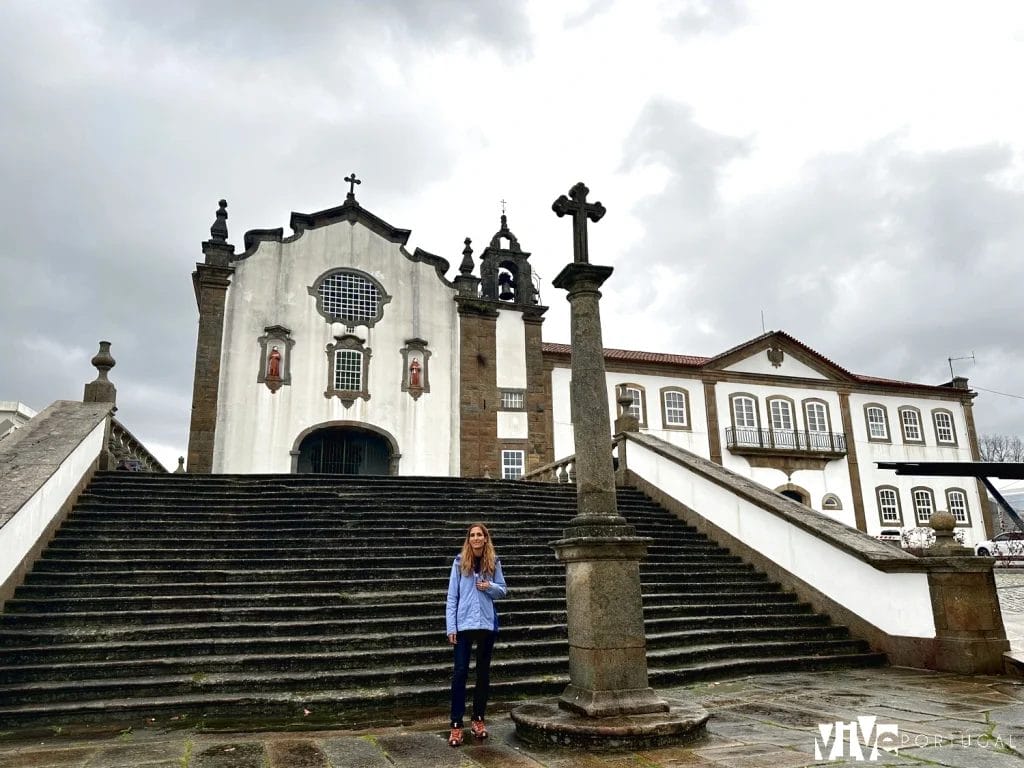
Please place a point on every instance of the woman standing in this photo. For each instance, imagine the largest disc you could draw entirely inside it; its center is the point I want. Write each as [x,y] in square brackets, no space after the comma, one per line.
[475,583]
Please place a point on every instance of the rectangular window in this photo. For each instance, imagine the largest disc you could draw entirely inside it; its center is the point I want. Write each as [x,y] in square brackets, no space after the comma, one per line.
[889,506]
[512,464]
[958,506]
[782,414]
[924,505]
[348,370]
[911,421]
[817,418]
[877,428]
[675,409]
[944,427]
[743,415]
[512,401]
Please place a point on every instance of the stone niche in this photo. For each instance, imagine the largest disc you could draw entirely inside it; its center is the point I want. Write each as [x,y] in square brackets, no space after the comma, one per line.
[275,357]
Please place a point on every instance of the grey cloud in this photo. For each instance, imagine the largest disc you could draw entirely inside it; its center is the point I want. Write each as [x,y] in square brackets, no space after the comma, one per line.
[887,261]
[273,29]
[709,16]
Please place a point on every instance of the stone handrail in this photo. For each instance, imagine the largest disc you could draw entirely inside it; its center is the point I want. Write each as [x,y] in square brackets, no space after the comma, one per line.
[561,471]
[126,452]
[904,605]
[43,467]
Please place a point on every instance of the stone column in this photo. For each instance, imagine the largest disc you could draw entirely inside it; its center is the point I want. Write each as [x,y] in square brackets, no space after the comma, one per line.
[601,552]
[608,702]
[211,281]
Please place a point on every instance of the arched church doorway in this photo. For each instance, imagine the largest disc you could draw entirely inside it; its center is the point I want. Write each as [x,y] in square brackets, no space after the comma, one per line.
[345,450]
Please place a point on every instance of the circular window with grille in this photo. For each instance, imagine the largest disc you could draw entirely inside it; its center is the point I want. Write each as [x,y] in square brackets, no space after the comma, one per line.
[350,297]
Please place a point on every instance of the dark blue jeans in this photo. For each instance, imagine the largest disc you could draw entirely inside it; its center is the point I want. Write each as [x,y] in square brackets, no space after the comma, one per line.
[484,641]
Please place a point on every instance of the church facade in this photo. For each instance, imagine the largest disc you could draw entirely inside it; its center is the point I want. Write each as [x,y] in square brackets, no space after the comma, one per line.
[334,349]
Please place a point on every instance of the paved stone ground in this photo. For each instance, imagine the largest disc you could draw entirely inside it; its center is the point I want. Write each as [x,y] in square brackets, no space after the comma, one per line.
[939,719]
[767,721]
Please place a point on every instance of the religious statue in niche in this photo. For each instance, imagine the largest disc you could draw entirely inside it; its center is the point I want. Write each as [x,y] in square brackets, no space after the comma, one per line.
[274,364]
[416,368]
[275,357]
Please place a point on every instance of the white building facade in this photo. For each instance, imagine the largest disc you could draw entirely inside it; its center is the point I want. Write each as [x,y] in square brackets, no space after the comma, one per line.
[336,350]
[783,415]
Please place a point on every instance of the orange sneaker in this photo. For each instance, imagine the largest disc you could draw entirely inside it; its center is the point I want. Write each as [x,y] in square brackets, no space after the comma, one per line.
[479,729]
[455,737]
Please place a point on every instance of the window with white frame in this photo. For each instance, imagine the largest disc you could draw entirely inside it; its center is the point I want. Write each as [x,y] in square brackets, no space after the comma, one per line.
[878,423]
[513,464]
[349,296]
[924,504]
[674,408]
[817,416]
[889,512]
[512,400]
[744,412]
[781,414]
[348,370]
[956,501]
[910,419]
[944,432]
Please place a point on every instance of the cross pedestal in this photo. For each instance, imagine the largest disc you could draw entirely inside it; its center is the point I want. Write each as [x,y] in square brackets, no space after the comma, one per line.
[608,702]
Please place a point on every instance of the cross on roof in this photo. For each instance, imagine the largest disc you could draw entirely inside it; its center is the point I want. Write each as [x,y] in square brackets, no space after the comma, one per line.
[352,181]
[502,201]
[577,205]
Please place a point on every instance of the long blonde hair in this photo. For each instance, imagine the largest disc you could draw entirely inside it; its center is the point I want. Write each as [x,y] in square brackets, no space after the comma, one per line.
[488,559]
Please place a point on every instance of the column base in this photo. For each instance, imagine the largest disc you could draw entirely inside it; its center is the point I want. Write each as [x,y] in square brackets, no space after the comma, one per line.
[545,724]
[638,701]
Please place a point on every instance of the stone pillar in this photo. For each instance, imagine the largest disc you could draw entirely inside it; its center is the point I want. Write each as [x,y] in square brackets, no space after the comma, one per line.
[608,701]
[607,646]
[210,280]
[102,390]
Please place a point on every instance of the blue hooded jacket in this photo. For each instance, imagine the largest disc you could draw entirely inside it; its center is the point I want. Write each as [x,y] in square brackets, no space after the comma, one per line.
[468,607]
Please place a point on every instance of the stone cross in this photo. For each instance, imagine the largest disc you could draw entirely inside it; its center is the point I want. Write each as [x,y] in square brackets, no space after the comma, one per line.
[577,205]
[352,181]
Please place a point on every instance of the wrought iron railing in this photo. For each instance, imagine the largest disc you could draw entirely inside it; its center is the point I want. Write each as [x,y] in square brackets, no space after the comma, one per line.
[785,440]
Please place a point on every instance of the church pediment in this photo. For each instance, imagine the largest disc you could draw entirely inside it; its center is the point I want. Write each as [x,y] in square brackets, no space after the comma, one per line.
[778,354]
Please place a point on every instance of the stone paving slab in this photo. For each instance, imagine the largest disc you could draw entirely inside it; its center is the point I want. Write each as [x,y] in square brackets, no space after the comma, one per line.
[770,721]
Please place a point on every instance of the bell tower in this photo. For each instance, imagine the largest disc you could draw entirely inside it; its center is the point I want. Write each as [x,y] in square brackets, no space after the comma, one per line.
[505,273]
[504,419]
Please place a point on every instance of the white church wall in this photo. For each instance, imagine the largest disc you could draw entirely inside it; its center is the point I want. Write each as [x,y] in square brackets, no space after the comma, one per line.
[510,337]
[512,425]
[257,429]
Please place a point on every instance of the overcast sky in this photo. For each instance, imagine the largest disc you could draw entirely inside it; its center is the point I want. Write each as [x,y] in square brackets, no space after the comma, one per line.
[852,170]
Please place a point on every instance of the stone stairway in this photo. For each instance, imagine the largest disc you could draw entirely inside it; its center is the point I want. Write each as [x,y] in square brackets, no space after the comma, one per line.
[311,599]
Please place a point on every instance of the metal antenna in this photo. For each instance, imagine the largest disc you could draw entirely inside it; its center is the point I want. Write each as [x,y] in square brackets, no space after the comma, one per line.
[954,359]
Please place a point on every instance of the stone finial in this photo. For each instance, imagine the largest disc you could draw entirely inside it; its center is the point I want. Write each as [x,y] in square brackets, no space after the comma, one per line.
[466,267]
[101,390]
[181,466]
[219,229]
[943,523]
[626,422]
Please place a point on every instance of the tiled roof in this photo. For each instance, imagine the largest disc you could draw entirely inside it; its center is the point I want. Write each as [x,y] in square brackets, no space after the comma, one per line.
[695,361]
[632,354]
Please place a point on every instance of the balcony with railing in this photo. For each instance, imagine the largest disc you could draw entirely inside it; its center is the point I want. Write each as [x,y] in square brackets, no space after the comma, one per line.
[791,442]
